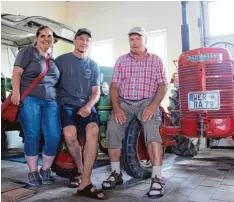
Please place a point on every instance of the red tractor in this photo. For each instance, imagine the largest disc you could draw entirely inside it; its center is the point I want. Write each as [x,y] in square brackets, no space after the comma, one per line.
[205,97]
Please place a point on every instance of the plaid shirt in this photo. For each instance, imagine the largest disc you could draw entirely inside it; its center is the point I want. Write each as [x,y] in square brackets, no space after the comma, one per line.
[138,80]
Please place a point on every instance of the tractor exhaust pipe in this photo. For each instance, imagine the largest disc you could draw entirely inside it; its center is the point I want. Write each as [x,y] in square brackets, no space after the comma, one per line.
[185,29]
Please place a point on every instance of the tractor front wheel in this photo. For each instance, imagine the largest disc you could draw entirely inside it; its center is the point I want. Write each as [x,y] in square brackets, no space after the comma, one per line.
[185,146]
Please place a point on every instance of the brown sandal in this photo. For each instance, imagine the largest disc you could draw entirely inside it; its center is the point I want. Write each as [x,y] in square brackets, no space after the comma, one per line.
[92,192]
[118,180]
[160,190]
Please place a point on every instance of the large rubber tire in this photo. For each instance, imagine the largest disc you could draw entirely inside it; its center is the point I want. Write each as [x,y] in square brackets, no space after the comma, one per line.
[185,146]
[132,165]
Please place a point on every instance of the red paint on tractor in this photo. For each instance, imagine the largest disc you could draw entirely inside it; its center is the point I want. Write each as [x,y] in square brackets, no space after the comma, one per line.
[205,69]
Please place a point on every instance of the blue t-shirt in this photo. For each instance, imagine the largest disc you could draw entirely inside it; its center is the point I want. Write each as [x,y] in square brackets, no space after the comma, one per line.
[77,77]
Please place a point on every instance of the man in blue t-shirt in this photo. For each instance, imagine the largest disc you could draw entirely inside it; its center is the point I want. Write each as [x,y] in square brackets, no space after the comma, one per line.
[79,91]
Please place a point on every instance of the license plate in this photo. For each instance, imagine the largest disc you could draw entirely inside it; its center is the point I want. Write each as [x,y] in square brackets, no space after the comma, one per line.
[204,100]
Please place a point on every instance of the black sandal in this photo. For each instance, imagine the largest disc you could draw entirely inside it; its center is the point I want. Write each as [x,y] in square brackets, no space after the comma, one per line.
[118,181]
[160,190]
[87,191]
[75,182]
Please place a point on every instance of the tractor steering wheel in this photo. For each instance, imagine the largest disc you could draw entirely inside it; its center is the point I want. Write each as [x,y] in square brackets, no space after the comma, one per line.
[225,43]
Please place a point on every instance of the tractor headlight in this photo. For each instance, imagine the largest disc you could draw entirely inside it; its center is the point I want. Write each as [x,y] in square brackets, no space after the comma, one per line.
[105,88]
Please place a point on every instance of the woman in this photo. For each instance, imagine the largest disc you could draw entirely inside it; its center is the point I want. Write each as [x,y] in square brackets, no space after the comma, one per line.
[39,110]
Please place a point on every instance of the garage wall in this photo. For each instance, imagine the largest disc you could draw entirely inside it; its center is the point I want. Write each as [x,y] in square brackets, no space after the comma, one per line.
[52,9]
[112,20]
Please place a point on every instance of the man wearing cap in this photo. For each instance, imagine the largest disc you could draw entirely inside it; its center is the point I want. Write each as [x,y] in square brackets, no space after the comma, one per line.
[138,86]
[79,91]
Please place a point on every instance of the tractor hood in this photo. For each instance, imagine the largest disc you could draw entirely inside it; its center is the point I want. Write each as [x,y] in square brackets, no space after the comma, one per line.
[19,30]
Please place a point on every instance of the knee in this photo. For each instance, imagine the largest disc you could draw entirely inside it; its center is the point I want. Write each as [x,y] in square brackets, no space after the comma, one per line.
[31,138]
[53,139]
[92,131]
[70,137]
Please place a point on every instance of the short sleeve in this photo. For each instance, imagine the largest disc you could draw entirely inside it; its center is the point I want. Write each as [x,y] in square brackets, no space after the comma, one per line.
[97,77]
[23,57]
[116,77]
[161,73]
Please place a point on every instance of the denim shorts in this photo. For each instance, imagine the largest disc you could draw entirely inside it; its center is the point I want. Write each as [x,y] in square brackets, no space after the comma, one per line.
[40,116]
[69,116]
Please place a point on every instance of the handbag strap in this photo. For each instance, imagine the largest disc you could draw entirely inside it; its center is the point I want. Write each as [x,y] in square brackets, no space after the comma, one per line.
[36,81]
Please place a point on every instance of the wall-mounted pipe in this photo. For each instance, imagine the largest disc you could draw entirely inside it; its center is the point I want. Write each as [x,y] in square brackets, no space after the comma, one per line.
[185,29]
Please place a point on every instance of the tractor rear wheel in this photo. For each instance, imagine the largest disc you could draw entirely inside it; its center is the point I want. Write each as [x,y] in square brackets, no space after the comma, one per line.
[185,146]
[136,160]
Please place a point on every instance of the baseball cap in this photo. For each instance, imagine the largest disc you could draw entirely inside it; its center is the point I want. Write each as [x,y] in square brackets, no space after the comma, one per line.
[83,31]
[137,30]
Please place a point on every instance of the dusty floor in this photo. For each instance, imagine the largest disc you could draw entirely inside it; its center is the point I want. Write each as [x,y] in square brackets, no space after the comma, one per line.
[209,177]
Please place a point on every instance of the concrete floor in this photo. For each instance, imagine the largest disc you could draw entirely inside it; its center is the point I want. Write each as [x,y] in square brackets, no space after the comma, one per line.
[209,177]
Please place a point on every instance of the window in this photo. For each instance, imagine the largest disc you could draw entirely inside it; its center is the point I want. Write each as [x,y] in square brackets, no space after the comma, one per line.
[102,52]
[221,17]
[156,43]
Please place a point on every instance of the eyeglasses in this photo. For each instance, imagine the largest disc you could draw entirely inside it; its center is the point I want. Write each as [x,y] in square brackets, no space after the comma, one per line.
[85,40]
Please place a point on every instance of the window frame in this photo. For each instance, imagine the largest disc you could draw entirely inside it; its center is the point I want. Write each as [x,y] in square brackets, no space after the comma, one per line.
[207,23]
[163,33]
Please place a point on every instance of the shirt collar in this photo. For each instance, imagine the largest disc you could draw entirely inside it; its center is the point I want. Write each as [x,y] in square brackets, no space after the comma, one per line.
[146,53]
[39,55]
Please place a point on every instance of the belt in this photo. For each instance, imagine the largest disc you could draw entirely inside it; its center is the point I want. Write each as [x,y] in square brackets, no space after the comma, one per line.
[133,100]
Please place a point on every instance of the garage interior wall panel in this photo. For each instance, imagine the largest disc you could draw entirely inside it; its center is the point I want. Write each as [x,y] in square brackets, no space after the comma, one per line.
[112,20]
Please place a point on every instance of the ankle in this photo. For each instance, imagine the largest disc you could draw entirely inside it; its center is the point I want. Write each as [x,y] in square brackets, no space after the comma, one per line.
[85,183]
[44,169]
[115,166]
[32,171]
[157,172]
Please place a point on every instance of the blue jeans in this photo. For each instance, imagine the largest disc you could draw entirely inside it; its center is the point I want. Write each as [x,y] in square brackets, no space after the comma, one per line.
[38,115]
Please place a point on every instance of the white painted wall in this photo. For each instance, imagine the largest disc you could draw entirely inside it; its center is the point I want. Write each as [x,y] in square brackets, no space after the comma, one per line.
[50,9]
[112,20]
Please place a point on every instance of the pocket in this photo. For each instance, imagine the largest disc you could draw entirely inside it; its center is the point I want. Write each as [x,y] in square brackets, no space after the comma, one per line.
[67,107]
[28,99]
[123,105]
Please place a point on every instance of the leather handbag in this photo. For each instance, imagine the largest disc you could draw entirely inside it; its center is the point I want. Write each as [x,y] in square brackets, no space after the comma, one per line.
[10,110]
